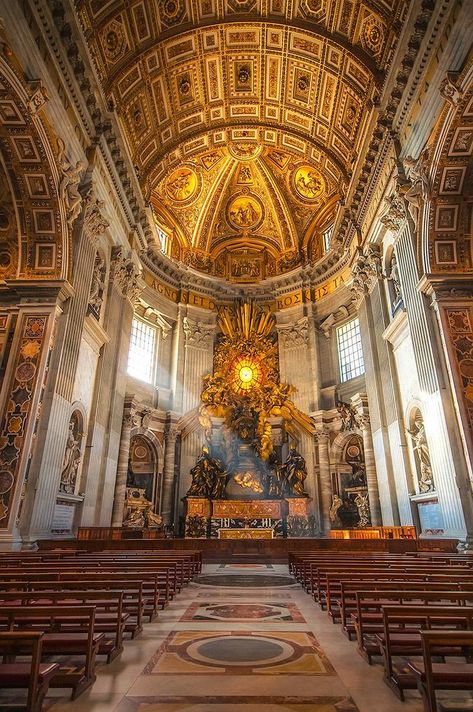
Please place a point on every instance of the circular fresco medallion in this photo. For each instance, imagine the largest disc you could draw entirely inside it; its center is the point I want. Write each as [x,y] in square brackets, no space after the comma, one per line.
[308,182]
[182,185]
[6,481]
[140,452]
[25,371]
[353,450]
[244,212]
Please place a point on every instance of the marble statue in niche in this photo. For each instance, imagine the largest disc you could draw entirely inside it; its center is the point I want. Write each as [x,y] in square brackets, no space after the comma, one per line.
[421,454]
[394,284]
[72,457]
[97,286]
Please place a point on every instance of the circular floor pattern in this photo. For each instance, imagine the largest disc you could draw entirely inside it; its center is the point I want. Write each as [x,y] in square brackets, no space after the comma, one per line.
[245,580]
[244,651]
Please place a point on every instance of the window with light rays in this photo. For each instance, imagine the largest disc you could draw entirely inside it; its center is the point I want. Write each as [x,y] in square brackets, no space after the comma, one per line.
[350,352]
[141,356]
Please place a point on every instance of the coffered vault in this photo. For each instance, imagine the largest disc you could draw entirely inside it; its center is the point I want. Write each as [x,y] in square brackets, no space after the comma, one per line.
[245,119]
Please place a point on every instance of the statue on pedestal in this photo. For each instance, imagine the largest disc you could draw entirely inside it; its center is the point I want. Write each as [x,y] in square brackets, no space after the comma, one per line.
[421,451]
[72,458]
[294,474]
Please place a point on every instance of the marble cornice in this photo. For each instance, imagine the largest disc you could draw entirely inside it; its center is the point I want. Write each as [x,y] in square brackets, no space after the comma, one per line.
[36,291]
[181,277]
[447,287]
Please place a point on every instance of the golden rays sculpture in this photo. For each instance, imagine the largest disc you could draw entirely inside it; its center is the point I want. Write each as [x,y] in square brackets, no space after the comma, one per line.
[245,383]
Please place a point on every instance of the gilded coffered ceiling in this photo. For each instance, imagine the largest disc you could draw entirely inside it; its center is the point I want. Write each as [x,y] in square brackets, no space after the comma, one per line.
[244,118]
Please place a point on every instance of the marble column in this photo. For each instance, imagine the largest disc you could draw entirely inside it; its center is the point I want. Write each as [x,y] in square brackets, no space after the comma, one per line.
[323,441]
[441,425]
[169,475]
[359,404]
[21,398]
[122,470]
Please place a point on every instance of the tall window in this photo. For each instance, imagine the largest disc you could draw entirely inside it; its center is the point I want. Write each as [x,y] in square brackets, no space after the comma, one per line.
[350,352]
[327,237]
[142,351]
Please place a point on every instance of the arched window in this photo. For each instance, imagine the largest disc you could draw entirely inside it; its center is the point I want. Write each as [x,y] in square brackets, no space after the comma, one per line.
[142,353]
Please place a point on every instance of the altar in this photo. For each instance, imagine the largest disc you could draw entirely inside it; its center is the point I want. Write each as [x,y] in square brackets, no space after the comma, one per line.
[247,519]
[249,480]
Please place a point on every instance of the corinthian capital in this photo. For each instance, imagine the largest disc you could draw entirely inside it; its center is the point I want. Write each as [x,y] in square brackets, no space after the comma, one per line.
[95,223]
[197,333]
[294,335]
[126,275]
[366,270]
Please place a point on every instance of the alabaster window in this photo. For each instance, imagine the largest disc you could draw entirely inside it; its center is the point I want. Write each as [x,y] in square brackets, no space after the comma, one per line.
[350,352]
[141,356]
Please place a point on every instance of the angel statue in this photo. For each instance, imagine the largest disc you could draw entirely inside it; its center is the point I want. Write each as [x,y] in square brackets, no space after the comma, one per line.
[69,185]
[419,190]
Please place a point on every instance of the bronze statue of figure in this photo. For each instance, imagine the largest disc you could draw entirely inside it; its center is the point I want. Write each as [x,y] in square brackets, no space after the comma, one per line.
[209,477]
[294,474]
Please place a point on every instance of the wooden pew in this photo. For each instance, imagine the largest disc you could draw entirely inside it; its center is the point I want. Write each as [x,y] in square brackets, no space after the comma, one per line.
[432,677]
[67,631]
[132,590]
[110,618]
[368,617]
[382,593]
[32,676]
[401,637]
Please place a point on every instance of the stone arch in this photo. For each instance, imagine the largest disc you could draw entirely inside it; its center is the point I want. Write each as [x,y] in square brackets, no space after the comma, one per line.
[445,239]
[42,244]
[143,437]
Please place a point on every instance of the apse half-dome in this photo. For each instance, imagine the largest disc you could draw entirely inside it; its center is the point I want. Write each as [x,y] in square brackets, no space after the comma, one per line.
[244,212]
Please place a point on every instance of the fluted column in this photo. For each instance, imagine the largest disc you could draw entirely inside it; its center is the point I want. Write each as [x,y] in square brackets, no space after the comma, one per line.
[360,406]
[122,470]
[169,474]
[323,441]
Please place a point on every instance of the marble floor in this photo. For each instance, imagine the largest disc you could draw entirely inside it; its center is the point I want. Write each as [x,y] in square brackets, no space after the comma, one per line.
[244,638]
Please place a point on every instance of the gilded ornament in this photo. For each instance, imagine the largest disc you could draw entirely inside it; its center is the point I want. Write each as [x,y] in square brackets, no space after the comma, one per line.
[244,212]
[308,182]
[182,184]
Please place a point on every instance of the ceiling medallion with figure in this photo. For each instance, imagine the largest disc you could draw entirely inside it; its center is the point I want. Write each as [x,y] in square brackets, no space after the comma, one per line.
[308,183]
[245,212]
[183,185]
